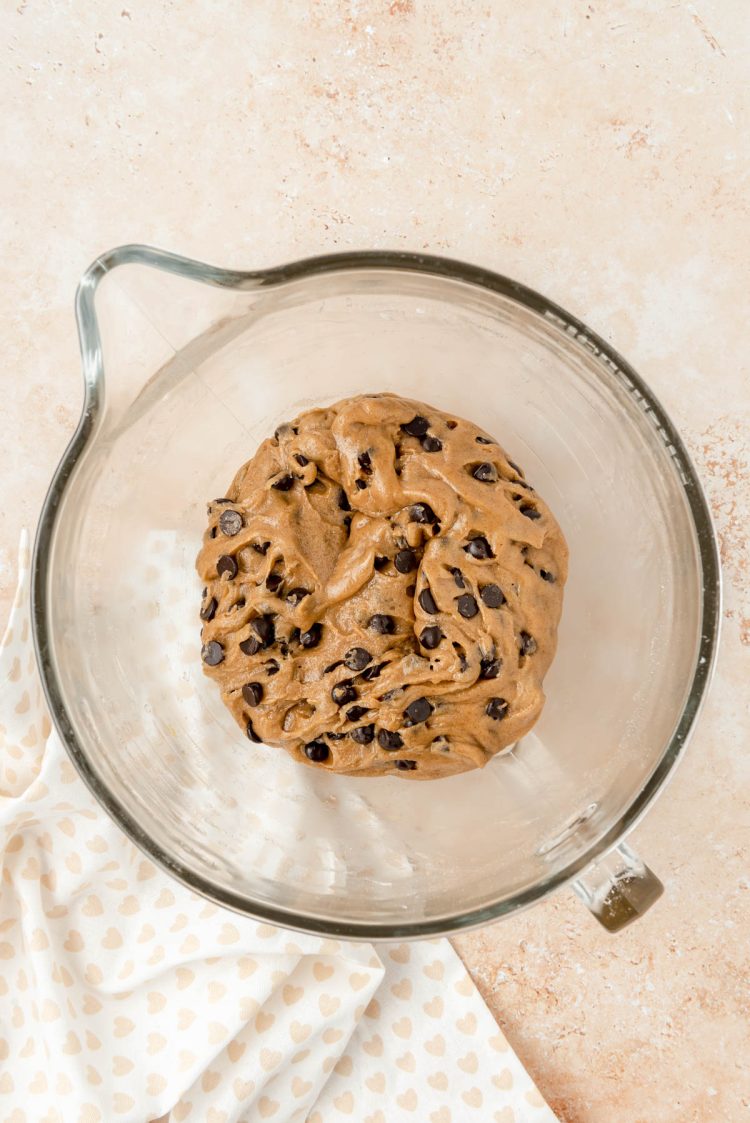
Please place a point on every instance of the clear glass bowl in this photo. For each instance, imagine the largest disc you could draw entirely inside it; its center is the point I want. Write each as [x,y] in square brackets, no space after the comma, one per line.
[186,369]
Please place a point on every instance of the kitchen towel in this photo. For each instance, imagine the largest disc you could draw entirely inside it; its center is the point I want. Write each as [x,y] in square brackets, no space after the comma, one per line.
[126,997]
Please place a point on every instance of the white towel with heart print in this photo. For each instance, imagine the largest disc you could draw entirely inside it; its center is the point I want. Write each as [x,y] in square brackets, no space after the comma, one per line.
[126,997]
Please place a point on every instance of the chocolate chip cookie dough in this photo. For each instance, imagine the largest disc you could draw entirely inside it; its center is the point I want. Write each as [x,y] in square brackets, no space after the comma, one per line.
[382,592]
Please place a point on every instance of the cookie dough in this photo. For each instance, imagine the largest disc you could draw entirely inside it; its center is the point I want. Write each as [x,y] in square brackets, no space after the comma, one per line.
[382,592]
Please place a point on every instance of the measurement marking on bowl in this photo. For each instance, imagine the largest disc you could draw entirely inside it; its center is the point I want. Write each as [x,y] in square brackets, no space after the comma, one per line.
[568,830]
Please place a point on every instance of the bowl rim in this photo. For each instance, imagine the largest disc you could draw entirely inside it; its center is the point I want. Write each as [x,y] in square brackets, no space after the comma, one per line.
[397,261]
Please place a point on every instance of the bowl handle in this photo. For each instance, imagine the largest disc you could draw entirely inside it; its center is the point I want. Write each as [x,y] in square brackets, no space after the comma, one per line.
[619,888]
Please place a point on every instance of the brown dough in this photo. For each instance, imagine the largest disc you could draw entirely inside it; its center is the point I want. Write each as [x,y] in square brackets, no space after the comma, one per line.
[326,507]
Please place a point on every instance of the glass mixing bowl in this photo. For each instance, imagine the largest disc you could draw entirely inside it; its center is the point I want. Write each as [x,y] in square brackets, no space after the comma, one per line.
[187,368]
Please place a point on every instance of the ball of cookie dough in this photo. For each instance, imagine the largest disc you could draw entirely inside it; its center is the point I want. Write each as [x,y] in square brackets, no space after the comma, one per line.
[382,592]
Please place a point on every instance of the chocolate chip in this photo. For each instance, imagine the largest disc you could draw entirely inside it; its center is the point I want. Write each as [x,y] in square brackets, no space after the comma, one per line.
[208,611]
[496,708]
[212,653]
[317,751]
[357,658]
[372,672]
[227,564]
[294,596]
[406,765]
[356,713]
[485,441]
[230,523]
[238,604]
[284,483]
[418,710]
[452,424]
[251,732]
[212,532]
[489,668]
[486,473]
[344,504]
[405,561]
[365,463]
[336,736]
[389,740]
[383,624]
[380,563]
[480,548]
[363,735]
[261,547]
[467,606]
[458,577]
[344,692]
[422,513]
[527,645]
[427,602]
[271,667]
[411,590]
[252,692]
[360,484]
[273,581]
[547,576]
[301,460]
[250,646]
[264,628]
[417,427]
[223,500]
[432,444]
[332,667]
[430,637]
[492,595]
[529,511]
[311,638]
[516,469]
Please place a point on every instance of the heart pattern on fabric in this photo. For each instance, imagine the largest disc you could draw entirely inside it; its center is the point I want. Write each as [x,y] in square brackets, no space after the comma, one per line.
[221,1018]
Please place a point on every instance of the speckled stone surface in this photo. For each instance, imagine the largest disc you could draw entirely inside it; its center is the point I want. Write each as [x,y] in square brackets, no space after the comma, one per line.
[595,151]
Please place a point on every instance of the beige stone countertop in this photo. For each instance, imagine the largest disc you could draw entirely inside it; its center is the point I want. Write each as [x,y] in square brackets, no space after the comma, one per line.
[596,151]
